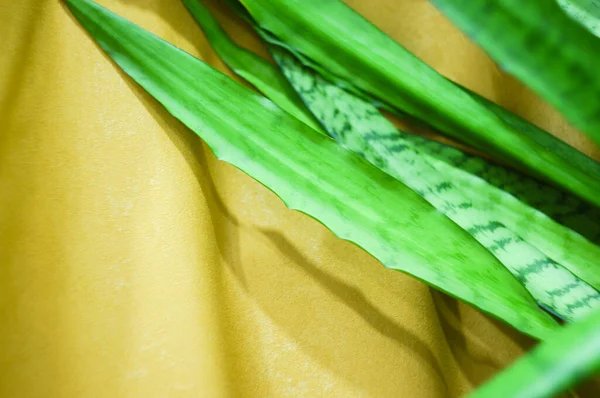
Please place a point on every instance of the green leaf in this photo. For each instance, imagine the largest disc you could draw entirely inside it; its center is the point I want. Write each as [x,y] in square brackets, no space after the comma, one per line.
[586,12]
[539,44]
[566,209]
[313,174]
[565,229]
[249,66]
[495,219]
[349,47]
[569,357]
[563,208]
[555,241]
[521,126]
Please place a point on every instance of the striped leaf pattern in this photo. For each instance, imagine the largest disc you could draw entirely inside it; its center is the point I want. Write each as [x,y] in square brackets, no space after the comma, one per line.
[565,209]
[313,174]
[359,126]
[342,42]
[555,241]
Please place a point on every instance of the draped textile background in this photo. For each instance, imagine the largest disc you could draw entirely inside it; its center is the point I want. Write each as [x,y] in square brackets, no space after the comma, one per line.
[134,264]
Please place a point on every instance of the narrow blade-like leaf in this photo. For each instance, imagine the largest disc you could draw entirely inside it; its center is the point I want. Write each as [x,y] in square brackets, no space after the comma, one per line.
[313,174]
[556,365]
[586,12]
[563,208]
[248,65]
[555,241]
[476,207]
[349,47]
[539,44]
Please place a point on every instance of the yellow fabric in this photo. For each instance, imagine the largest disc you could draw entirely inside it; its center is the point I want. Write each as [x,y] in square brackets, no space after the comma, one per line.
[134,264]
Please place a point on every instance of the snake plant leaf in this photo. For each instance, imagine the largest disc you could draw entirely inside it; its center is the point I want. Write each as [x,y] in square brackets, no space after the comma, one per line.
[567,358]
[586,12]
[476,207]
[349,47]
[538,43]
[313,174]
[521,126]
[249,66]
[563,208]
[560,225]
[555,241]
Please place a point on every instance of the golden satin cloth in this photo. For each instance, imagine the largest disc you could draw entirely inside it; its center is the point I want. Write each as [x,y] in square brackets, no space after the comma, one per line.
[134,264]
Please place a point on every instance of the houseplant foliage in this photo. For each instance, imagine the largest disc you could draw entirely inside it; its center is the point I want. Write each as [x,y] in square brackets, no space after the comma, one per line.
[371,60]
[435,220]
[553,366]
[311,173]
[586,12]
[570,52]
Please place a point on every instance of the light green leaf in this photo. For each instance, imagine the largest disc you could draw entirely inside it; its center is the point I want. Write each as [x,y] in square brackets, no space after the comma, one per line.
[313,174]
[495,219]
[539,44]
[555,241]
[561,222]
[574,213]
[569,357]
[249,66]
[586,12]
[349,47]
[563,208]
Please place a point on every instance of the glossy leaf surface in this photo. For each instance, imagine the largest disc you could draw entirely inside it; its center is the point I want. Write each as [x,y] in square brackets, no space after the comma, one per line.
[569,357]
[539,44]
[248,65]
[555,241]
[346,45]
[313,174]
[477,207]
[563,208]
[586,12]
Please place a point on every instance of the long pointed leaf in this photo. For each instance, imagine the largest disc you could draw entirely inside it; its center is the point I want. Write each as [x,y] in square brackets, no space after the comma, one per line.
[586,12]
[555,241]
[312,174]
[520,126]
[539,44]
[349,47]
[249,66]
[474,206]
[565,209]
[569,357]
